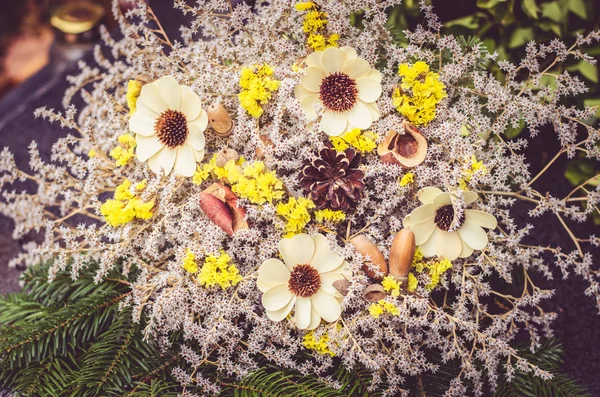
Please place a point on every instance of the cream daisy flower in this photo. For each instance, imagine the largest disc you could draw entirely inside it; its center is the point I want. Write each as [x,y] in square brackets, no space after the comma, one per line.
[345,85]
[169,124]
[304,281]
[438,232]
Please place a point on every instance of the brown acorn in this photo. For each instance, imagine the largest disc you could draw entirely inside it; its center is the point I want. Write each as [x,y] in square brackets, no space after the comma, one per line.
[374,293]
[219,204]
[366,247]
[407,150]
[219,120]
[402,253]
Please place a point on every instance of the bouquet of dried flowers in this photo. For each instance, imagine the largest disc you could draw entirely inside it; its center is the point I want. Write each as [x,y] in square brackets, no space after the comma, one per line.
[284,184]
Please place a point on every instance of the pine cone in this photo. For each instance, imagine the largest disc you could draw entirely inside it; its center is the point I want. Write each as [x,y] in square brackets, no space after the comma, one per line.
[333,180]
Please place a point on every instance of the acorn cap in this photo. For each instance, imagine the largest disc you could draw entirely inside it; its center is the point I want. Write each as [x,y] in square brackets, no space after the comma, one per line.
[374,293]
[402,253]
[407,150]
[363,245]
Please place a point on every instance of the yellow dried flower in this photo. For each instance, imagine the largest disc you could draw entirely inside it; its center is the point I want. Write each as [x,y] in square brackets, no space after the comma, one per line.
[383,306]
[329,215]
[125,207]
[141,185]
[407,178]
[363,142]
[314,21]
[92,153]
[305,6]
[390,285]
[133,92]
[219,270]
[124,153]
[256,86]
[189,262]
[475,166]
[412,282]
[320,345]
[295,212]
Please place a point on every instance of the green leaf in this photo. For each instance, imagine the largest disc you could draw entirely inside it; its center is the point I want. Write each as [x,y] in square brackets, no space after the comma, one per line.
[531,8]
[586,69]
[578,8]
[489,3]
[469,22]
[593,102]
[552,11]
[520,37]
[513,132]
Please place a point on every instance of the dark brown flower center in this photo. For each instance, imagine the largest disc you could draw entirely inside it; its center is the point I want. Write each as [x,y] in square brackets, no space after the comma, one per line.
[304,281]
[444,217]
[171,128]
[338,92]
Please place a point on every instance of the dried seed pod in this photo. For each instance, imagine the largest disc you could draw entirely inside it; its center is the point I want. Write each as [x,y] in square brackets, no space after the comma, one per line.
[407,150]
[219,120]
[366,247]
[219,204]
[225,155]
[342,286]
[402,253]
[374,293]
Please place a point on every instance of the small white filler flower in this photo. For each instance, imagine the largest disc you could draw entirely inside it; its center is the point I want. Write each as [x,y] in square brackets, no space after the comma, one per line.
[169,124]
[305,281]
[438,232]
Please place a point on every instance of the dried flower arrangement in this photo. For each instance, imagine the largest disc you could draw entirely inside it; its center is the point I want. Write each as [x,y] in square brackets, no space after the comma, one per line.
[255,176]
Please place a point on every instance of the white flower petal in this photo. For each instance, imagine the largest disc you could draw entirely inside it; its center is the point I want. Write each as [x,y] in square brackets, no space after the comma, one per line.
[423,231]
[327,280]
[201,122]
[360,116]
[374,109]
[427,194]
[314,59]
[277,297]
[470,197]
[297,250]
[442,199]
[481,218]
[196,137]
[308,106]
[442,243]
[333,60]
[326,306]
[185,164]
[300,92]
[278,315]
[324,259]
[303,309]
[147,146]
[150,98]
[424,213]
[142,124]
[473,235]
[368,90]
[199,155]
[315,320]
[333,123]
[163,160]
[375,75]
[272,272]
[349,51]
[191,105]
[466,250]
[357,68]
[170,91]
[407,222]
[311,81]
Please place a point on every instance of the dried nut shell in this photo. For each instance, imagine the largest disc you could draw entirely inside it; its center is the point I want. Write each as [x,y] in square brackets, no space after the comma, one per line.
[342,286]
[402,253]
[374,293]
[366,247]
[219,204]
[225,155]
[219,120]
[407,150]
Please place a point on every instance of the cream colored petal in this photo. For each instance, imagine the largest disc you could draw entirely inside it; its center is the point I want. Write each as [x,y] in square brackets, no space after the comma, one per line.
[424,213]
[272,272]
[350,52]
[166,159]
[278,315]
[441,243]
[327,306]
[312,78]
[191,105]
[308,106]
[201,122]
[357,68]
[315,320]
[442,199]
[150,98]
[360,116]
[277,297]
[368,90]
[199,155]
[196,137]
[185,164]
[333,60]
[423,231]
[427,194]
[473,235]
[333,123]
[300,92]
[147,146]
[324,259]
[374,109]
[170,91]
[327,280]
[481,218]
[154,164]
[141,124]
[407,222]
[297,250]
[303,309]
[140,107]
[375,75]
[470,197]
[314,59]
[466,250]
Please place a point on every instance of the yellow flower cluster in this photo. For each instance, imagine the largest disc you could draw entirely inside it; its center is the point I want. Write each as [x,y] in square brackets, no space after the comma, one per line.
[383,306]
[391,285]
[434,269]
[125,152]
[419,93]
[134,88]
[407,178]
[329,215]
[475,166]
[315,24]
[219,270]
[189,262]
[363,142]
[320,345]
[295,212]
[256,86]
[125,207]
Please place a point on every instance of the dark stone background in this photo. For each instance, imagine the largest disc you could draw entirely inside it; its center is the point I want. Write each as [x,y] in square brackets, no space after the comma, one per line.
[578,324]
